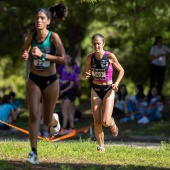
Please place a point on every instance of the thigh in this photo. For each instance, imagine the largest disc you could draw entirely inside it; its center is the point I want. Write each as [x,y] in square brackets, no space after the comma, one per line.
[96,104]
[33,96]
[50,95]
[108,104]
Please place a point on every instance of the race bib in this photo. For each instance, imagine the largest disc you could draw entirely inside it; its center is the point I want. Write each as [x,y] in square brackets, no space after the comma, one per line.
[40,65]
[99,74]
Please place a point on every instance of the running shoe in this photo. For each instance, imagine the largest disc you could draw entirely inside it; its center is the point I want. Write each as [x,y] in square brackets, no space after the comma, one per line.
[54,130]
[33,159]
[143,120]
[46,135]
[101,149]
[114,128]
[63,131]
[39,134]
[70,130]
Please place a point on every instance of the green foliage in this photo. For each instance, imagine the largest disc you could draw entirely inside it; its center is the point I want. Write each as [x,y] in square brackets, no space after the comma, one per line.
[129,27]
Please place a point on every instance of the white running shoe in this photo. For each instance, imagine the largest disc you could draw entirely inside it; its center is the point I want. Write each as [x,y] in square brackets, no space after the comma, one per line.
[146,120]
[33,159]
[140,120]
[143,120]
[54,130]
[101,149]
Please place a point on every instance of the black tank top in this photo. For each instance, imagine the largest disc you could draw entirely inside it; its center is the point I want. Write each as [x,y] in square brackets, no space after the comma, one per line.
[99,67]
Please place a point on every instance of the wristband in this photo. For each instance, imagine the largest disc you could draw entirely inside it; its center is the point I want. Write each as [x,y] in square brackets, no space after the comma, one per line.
[43,57]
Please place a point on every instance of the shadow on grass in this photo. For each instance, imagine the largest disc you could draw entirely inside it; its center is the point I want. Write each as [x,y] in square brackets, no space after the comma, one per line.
[18,165]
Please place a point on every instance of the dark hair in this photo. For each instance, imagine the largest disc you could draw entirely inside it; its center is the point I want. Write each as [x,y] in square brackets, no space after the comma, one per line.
[157,39]
[98,35]
[12,94]
[140,94]
[70,64]
[55,12]
[149,96]
[119,92]
[5,99]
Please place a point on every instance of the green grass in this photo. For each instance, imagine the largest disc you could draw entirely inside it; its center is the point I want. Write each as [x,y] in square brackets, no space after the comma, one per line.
[82,154]
[160,128]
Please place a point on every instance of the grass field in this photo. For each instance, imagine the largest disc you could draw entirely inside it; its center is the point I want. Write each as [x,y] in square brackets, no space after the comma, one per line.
[83,155]
[80,151]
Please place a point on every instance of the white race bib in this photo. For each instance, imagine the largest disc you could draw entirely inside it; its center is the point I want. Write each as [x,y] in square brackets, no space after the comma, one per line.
[99,74]
[40,65]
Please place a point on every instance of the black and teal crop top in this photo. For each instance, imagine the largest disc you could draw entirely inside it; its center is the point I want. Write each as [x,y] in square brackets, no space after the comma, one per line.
[46,46]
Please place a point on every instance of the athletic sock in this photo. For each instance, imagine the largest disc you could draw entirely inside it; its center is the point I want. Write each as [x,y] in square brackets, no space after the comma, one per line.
[113,122]
[34,150]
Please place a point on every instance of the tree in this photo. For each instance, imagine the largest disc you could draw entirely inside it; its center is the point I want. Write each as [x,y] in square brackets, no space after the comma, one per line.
[129,27]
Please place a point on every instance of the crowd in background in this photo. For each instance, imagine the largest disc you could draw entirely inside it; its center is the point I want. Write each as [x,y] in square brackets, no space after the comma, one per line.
[140,107]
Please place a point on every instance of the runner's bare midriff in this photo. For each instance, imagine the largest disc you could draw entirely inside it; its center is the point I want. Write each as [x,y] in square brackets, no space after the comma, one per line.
[103,83]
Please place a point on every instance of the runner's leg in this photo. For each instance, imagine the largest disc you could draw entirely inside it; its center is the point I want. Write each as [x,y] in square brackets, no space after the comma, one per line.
[96,104]
[50,95]
[33,99]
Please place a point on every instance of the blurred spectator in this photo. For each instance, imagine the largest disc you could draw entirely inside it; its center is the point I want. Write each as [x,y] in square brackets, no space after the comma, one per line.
[67,96]
[15,103]
[154,109]
[7,113]
[62,74]
[43,130]
[1,95]
[121,99]
[158,63]
[136,104]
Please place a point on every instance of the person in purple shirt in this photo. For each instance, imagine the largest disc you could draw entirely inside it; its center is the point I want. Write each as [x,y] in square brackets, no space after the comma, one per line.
[63,73]
[68,84]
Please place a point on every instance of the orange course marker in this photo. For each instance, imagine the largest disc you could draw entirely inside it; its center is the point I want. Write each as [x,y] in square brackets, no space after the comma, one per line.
[73,133]
[52,139]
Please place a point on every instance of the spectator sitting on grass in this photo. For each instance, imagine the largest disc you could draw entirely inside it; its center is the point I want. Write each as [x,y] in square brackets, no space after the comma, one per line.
[6,113]
[121,99]
[15,103]
[155,107]
[136,105]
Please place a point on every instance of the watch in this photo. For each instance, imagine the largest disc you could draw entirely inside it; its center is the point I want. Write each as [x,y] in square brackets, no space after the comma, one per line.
[43,57]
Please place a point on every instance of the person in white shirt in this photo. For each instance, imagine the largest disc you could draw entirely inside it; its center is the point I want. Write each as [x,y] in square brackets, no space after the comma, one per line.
[157,56]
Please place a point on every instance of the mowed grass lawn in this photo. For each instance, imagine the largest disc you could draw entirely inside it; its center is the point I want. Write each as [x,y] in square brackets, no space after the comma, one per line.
[81,155]
[80,151]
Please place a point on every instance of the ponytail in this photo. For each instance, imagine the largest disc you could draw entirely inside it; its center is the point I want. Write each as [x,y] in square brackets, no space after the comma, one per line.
[55,12]
[58,11]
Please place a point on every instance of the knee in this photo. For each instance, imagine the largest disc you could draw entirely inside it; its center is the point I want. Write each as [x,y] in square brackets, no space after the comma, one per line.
[106,123]
[33,117]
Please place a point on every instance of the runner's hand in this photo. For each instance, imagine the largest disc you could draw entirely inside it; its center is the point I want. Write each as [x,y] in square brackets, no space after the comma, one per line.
[114,87]
[35,51]
[25,55]
[86,75]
